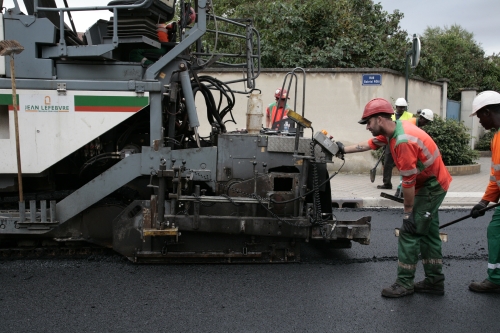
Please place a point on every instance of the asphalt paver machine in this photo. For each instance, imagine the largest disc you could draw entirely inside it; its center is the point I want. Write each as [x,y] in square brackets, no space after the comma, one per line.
[111,147]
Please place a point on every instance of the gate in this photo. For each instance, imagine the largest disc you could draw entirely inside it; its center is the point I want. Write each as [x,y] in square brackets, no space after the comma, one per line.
[453,110]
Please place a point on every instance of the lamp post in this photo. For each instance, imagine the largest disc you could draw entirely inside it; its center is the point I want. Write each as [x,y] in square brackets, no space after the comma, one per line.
[412,56]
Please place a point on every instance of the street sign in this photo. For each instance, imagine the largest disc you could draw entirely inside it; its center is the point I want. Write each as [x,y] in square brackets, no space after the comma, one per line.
[372,80]
[415,56]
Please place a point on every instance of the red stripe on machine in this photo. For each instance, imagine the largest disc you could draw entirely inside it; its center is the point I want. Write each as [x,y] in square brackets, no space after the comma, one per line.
[107,108]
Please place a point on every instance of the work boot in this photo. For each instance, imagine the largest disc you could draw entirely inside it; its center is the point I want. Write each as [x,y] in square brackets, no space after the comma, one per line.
[396,290]
[424,287]
[385,187]
[485,287]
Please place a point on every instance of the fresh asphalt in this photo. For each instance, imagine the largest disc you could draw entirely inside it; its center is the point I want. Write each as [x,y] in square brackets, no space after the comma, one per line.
[330,291]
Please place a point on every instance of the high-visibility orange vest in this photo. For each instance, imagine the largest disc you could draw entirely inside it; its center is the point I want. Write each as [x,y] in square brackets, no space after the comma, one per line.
[416,156]
[492,192]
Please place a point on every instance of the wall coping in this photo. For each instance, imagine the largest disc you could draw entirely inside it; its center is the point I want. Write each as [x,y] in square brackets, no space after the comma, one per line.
[324,70]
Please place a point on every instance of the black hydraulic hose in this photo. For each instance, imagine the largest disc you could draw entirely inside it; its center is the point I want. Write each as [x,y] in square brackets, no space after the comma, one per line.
[225,91]
[210,103]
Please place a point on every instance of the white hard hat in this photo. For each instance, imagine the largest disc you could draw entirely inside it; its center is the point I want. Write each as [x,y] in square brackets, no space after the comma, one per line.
[427,114]
[487,97]
[401,102]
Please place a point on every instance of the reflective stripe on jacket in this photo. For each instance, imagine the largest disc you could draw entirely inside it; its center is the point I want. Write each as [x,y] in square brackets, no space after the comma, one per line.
[492,192]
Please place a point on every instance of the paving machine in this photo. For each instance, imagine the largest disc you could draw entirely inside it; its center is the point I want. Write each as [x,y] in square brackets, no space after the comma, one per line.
[111,150]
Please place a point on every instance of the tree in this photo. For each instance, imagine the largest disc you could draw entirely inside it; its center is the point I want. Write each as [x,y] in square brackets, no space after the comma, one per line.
[452,53]
[323,33]
[452,138]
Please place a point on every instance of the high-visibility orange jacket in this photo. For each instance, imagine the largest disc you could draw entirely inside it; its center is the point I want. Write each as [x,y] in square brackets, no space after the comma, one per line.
[492,192]
[416,156]
[276,115]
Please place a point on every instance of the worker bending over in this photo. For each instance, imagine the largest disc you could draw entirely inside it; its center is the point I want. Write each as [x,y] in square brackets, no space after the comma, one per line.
[425,182]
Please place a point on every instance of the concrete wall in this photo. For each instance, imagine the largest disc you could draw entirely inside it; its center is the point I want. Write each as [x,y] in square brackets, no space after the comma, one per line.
[334,101]
[472,123]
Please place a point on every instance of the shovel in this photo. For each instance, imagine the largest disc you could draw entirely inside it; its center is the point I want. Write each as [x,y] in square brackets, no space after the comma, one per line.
[373,172]
[467,216]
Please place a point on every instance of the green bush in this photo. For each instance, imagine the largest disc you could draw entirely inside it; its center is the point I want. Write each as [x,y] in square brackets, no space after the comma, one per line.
[484,142]
[452,138]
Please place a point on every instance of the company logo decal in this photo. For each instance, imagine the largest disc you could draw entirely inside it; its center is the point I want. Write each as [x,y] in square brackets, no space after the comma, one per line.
[46,106]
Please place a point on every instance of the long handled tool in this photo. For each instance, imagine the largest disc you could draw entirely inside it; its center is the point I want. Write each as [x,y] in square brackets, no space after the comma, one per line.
[444,237]
[392,197]
[467,216]
[12,47]
[373,172]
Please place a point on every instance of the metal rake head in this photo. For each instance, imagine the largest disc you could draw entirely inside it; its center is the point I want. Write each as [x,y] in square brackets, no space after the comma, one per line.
[10,47]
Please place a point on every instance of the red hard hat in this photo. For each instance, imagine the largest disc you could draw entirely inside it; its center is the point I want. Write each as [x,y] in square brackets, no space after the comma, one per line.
[376,105]
[281,94]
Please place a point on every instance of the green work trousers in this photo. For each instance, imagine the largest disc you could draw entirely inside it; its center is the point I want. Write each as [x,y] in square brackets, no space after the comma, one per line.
[425,241]
[493,235]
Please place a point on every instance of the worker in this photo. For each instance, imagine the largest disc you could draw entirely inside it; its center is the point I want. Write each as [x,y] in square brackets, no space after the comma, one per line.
[425,183]
[425,117]
[486,106]
[401,114]
[276,112]
[166,33]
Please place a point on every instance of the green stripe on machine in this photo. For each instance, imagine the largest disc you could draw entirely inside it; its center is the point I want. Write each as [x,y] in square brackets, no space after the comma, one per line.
[6,99]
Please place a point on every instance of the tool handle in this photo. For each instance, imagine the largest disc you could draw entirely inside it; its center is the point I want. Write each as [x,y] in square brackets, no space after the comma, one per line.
[392,197]
[380,159]
[469,215]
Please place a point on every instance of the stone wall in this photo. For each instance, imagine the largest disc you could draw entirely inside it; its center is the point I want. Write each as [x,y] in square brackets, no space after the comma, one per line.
[334,101]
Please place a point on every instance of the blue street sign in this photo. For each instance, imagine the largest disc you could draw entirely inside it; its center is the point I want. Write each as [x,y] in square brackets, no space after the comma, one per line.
[372,79]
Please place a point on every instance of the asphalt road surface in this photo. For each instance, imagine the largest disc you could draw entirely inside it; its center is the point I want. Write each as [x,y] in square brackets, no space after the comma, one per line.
[331,291]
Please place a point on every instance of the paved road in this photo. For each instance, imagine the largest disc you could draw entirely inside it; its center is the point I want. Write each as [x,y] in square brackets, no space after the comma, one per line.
[331,291]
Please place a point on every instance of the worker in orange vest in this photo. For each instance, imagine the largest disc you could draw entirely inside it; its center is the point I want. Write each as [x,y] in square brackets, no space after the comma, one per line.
[486,106]
[276,112]
[425,183]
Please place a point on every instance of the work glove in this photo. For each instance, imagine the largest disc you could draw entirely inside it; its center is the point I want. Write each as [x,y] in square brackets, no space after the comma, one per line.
[475,211]
[340,154]
[409,225]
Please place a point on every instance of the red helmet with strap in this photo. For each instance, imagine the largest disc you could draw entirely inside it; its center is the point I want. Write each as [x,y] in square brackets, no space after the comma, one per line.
[279,93]
[376,105]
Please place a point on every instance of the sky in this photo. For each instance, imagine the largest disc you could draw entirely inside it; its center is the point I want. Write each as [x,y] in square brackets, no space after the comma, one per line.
[477,16]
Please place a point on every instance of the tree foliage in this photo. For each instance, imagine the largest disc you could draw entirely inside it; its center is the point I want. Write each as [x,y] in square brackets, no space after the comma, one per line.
[484,142]
[452,53]
[323,33]
[452,138]
[359,33]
